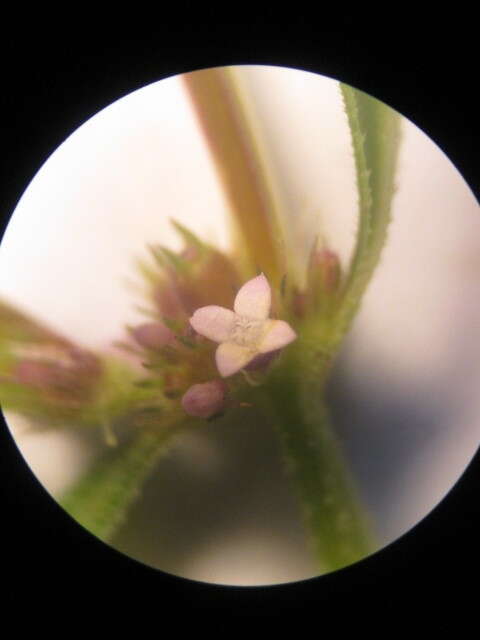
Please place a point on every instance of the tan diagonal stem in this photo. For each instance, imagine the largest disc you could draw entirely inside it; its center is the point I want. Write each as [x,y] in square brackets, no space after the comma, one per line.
[234,146]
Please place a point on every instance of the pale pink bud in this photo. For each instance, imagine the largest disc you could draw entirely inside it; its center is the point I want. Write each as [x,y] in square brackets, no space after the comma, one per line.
[190,253]
[206,399]
[168,301]
[85,363]
[153,335]
[299,303]
[329,270]
[63,376]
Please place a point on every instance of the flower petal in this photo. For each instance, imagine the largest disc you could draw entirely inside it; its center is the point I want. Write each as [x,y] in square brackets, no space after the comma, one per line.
[254,299]
[230,358]
[213,322]
[278,334]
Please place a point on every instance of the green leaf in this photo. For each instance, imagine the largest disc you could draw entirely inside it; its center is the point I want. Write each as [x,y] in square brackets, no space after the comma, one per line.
[188,236]
[17,326]
[101,499]
[375,132]
[169,259]
[146,271]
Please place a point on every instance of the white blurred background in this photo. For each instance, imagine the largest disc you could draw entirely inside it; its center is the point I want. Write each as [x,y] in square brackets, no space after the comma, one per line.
[404,391]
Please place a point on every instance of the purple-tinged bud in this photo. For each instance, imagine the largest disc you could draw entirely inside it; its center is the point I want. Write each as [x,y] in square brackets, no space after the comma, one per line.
[190,253]
[168,301]
[327,266]
[212,280]
[323,278]
[299,303]
[217,280]
[71,379]
[209,278]
[205,400]
[153,335]
[85,363]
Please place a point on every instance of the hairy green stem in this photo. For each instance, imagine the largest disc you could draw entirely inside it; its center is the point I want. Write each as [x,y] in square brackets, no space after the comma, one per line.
[101,499]
[340,532]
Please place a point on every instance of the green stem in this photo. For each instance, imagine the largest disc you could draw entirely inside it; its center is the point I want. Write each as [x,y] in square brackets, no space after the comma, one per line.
[339,529]
[102,497]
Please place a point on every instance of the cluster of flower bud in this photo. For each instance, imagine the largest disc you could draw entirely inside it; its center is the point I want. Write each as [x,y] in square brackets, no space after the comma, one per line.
[195,292]
[198,275]
[66,375]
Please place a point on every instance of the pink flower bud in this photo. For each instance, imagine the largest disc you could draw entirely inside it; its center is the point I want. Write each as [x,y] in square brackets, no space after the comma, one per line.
[85,363]
[69,381]
[299,303]
[205,400]
[168,301]
[153,335]
[190,253]
[327,264]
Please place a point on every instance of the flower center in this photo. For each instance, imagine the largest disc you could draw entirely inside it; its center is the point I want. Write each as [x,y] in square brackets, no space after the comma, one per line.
[246,332]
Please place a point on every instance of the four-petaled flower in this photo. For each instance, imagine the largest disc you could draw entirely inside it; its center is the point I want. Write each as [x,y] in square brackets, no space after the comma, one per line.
[245,332]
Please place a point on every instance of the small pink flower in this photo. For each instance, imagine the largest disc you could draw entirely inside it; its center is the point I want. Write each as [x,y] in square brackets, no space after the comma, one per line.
[245,332]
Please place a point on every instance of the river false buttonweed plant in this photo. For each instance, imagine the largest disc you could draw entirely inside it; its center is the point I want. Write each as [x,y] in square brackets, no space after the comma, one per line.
[226,332]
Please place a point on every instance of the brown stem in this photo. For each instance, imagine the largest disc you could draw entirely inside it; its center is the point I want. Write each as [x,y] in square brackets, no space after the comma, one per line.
[235,151]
